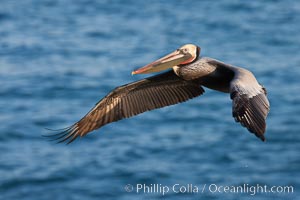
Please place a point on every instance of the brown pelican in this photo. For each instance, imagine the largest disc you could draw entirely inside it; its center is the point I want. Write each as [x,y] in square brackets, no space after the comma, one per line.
[250,105]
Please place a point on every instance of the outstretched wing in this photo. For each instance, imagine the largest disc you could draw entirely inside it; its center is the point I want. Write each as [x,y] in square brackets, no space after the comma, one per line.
[250,105]
[132,99]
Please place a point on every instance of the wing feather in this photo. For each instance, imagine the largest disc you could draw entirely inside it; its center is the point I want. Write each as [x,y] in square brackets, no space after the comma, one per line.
[132,99]
[250,105]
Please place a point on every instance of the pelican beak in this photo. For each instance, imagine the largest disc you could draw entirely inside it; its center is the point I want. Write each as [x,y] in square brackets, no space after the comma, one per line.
[175,58]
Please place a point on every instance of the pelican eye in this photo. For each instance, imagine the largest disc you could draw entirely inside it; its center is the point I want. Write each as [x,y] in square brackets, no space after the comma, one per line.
[185,51]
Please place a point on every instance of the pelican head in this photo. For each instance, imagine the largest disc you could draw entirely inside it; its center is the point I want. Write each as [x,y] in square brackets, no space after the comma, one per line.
[184,55]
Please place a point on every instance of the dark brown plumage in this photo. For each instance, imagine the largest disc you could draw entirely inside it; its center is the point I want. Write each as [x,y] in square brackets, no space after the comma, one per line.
[132,99]
[251,112]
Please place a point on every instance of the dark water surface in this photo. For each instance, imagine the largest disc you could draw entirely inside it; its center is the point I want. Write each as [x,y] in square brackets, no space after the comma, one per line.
[59,57]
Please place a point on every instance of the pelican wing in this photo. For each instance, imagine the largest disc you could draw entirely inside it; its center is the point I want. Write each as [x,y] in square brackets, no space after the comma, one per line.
[132,99]
[250,105]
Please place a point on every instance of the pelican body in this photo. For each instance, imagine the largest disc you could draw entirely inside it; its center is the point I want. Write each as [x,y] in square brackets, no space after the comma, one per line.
[189,73]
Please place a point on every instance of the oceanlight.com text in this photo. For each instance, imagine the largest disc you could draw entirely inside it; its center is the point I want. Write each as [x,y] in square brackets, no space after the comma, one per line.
[142,188]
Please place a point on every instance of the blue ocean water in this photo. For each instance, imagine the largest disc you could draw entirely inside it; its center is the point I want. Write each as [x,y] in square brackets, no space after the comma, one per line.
[59,57]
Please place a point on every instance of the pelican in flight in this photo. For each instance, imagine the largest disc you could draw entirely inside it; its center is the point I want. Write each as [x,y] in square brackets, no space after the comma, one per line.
[189,73]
